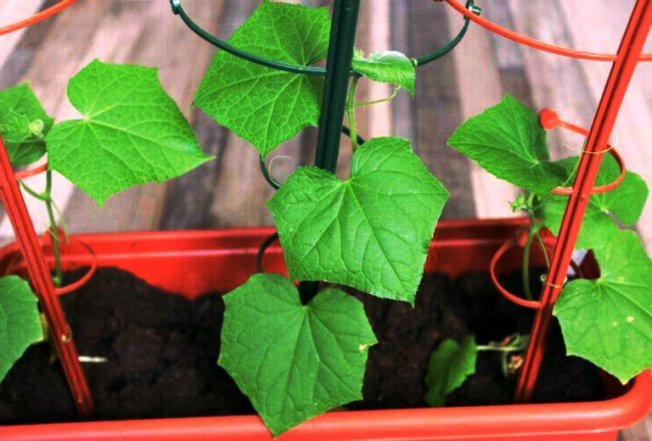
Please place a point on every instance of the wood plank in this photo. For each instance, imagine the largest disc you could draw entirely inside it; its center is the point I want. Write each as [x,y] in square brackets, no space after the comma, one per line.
[479,86]
[374,36]
[12,11]
[435,112]
[47,56]
[509,56]
[640,432]
[635,119]
[240,189]
[171,48]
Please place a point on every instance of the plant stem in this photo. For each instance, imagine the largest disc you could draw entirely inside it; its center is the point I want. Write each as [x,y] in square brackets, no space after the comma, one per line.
[532,232]
[350,112]
[57,278]
[395,90]
[526,265]
[46,198]
[32,193]
[543,249]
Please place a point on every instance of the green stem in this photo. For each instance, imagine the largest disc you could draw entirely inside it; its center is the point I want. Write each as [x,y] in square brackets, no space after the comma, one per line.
[395,90]
[46,198]
[33,193]
[350,112]
[57,279]
[543,249]
[532,232]
[526,265]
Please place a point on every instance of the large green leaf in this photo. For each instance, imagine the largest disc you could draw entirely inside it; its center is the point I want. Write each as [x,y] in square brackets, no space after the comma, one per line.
[608,321]
[508,141]
[20,323]
[23,124]
[294,361]
[623,205]
[387,67]
[370,232]
[131,132]
[262,105]
[449,366]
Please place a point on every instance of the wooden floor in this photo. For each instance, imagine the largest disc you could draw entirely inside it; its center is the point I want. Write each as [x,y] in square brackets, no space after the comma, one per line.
[231,190]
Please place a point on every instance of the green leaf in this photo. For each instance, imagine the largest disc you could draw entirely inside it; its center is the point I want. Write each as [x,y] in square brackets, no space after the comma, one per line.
[267,106]
[294,361]
[449,366]
[623,205]
[370,232]
[131,133]
[20,323]
[23,123]
[387,67]
[508,141]
[608,321]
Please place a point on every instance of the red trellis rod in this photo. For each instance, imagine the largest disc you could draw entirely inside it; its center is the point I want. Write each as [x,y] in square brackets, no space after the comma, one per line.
[39,275]
[621,73]
[37,268]
[37,18]
[533,43]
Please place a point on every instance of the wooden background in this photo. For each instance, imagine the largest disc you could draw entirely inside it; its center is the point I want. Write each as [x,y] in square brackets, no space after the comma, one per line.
[231,191]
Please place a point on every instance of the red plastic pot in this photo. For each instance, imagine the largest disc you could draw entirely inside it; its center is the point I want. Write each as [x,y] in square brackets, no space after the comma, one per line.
[194,262]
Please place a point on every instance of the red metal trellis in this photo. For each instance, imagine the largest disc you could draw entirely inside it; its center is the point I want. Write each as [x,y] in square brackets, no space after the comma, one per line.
[597,143]
[38,270]
[39,274]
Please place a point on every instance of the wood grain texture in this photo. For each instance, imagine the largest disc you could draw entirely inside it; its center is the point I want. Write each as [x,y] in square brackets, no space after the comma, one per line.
[171,48]
[50,54]
[478,87]
[12,11]
[433,114]
[632,131]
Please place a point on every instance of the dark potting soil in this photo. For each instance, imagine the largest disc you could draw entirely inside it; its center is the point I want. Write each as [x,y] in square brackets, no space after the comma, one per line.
[161,353]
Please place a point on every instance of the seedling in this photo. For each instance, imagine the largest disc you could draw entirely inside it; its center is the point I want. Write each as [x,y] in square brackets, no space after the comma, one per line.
[370,231]
[130,133]
[452,363]
[608,320]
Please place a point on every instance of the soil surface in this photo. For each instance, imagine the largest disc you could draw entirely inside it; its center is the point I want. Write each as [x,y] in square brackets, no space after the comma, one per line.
[161,352]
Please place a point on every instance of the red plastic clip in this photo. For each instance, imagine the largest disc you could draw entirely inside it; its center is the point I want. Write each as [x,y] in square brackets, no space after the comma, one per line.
[86,277]
[519,241]
[549,119]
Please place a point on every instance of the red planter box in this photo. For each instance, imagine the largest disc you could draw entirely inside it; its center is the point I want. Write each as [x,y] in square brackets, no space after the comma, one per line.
[194,262]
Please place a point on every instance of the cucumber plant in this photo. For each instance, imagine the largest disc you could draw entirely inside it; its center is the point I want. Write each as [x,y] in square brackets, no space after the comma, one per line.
[130,133]
[608,320]
[297,358]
